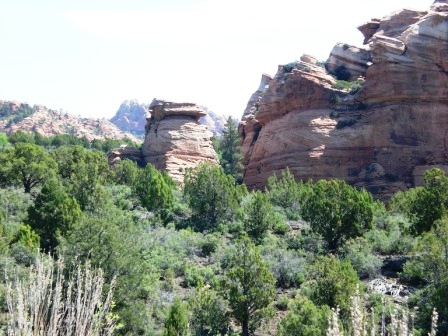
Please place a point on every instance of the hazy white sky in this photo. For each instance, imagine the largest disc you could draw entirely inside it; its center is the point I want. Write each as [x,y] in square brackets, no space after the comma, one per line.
[87,56]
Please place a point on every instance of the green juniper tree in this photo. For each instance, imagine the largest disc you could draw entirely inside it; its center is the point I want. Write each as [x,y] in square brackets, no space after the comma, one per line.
[177,322]
[26,164]
[424,205]
[212,195]
[338,211]
[249,287]
[53,212]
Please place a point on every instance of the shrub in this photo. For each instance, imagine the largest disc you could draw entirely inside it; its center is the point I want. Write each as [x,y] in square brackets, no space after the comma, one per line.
[46,304]
[288,267]
[390,235]
[333,282]
[350,87]
[338,211]
[304,319]
[282,302]
[360,254]
[279,225]
[209,313]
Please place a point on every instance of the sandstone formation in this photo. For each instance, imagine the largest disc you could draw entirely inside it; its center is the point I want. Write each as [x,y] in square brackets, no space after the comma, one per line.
[254,101]
[175,140]
[348,62]
[125,152]
[16,116]
[380,136]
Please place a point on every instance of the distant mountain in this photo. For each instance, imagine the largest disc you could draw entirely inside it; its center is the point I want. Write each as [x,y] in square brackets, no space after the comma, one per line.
[131,117]
[214,122]
[16,116]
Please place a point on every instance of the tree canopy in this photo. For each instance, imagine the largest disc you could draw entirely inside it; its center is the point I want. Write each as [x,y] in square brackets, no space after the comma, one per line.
[338,211]
[26,164]
[229,150]
[249,287]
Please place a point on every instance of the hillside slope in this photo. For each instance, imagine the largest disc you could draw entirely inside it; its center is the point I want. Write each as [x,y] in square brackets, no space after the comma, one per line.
[16,116]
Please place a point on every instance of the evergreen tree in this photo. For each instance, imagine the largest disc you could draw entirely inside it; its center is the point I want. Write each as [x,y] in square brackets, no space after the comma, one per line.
[212,195]
[209,313]
[26,164]
[53,212]
[338,211]
[154,190]
[286,192]
[249,287]
[258,215]
[332,283]
[84,172]
[424,205]
[125,172]
[304,319]
[177,322]
[230,150]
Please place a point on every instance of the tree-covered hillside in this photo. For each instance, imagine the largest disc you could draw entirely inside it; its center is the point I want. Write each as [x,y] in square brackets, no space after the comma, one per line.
[210,257]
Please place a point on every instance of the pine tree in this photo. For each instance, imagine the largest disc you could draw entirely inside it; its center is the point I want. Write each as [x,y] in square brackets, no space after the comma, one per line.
[230,150]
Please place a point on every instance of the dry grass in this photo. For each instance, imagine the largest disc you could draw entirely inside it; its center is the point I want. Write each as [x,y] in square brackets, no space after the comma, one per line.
[46,304]
[362,324]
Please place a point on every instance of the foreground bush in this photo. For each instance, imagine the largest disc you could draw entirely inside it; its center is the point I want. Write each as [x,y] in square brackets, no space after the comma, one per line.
[48,304]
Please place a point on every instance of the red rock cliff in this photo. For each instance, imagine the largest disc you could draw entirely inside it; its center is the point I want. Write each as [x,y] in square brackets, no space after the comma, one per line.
[380,130]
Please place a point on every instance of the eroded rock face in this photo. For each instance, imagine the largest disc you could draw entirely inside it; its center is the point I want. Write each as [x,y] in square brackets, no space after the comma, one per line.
[348,62]
[374,137]
[125,152]
[175,140]
[254,101]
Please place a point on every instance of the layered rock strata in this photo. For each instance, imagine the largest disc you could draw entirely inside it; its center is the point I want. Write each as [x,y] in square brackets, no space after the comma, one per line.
[377,135]
[175,140]
[348,62]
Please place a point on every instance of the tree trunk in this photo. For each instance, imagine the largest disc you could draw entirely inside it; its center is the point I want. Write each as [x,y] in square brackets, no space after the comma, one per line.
[245,326]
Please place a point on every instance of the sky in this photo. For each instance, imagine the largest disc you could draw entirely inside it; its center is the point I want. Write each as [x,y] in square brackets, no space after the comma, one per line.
[86,57]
